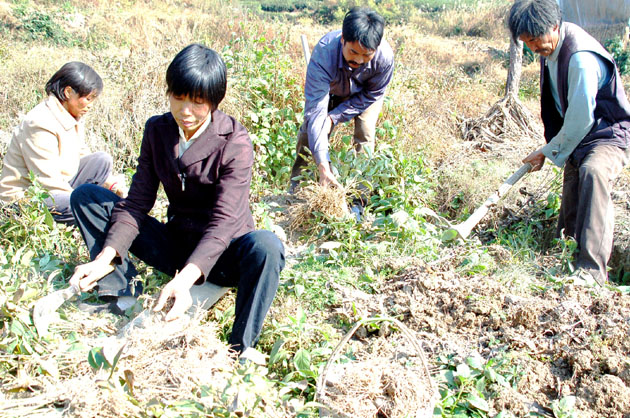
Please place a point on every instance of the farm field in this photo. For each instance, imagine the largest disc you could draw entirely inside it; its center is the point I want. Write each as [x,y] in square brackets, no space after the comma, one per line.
[502,330]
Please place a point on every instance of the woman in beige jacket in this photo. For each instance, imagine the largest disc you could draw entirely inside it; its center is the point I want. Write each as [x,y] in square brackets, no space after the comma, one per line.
[50,143]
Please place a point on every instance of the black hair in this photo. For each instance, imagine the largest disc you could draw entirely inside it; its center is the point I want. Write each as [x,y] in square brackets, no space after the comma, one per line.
[198,72]
[81,77]
[363,25]
[534,17]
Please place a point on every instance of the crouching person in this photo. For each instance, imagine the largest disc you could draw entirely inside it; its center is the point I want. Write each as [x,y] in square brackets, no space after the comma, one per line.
[203,159]
[50,143]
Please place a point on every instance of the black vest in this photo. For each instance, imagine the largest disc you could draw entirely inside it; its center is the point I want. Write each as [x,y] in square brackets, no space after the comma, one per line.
[612,110]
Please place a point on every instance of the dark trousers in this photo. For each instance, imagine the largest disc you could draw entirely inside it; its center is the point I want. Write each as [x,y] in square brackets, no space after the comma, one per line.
[587,211]
[252,263]
[93,169]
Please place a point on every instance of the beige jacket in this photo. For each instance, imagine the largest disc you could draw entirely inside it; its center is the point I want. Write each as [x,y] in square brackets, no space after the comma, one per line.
[49,142]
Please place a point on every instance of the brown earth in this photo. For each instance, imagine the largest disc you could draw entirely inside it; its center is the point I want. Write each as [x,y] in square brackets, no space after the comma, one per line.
[566,341]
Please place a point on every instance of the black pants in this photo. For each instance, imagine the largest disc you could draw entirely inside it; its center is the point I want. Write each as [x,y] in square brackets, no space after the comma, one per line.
[252,263]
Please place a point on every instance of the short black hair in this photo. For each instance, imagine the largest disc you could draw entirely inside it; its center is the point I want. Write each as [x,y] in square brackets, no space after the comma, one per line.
[81,77]
[199,73]
[534,17]
[363,25]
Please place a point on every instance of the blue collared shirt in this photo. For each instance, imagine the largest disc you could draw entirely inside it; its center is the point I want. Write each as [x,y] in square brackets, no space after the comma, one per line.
[587,74]
[327,74]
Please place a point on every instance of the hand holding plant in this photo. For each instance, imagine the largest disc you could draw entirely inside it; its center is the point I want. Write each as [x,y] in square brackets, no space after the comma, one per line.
[178,289]
[87,275]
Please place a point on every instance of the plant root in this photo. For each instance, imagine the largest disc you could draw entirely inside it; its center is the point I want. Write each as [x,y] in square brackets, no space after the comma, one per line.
[315,199]
[506,120]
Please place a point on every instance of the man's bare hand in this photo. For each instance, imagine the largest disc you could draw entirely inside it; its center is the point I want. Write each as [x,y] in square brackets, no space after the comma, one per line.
[326,176]
[178,289]
[536,159]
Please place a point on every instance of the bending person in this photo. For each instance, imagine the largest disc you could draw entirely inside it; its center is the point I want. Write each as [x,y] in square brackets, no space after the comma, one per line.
[586,116]
[346,79]
[50,143]
[203,159]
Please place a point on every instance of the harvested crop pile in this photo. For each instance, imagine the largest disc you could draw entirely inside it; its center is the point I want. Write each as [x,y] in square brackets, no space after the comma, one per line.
[163,362]
[329,202]
[388,378]
[506,120]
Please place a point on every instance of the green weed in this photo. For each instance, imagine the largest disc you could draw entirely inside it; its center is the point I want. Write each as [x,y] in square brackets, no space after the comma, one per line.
[298,353]
[534,232]
[620,52]
[564,408]
[271,95]
[465,386]
[40,26]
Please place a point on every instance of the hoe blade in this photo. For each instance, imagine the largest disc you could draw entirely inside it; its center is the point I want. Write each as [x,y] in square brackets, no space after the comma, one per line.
[44,311]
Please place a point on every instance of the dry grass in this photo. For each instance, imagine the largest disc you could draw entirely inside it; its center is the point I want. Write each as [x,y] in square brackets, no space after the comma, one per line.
[317,201]
[160,361]
[438,81]
[485,20]
[386,379]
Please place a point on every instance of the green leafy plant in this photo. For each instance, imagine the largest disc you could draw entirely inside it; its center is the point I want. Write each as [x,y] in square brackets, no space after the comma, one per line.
[39,26]
[620,52]
[465,386]
[299,351]
[272,96]
[564,408]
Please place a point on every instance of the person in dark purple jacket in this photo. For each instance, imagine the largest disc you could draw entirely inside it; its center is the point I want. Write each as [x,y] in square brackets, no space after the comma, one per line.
[203,159]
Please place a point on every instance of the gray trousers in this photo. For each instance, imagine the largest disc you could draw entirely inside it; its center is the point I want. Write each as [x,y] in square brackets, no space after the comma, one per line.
[587,211]
[93,169]
[364,134]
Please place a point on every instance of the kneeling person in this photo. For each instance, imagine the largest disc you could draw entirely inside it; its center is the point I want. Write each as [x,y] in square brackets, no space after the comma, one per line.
[203,159]
[50,143]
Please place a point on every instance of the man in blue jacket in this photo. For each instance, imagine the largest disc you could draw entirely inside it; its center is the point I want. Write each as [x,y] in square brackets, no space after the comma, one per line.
[345,79]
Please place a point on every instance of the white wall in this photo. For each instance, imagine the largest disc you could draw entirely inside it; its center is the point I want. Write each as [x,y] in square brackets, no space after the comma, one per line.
[595,12]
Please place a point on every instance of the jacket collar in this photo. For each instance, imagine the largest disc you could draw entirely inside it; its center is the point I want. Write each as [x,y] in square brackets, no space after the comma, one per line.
[556,52]
[210,141]
[60,113]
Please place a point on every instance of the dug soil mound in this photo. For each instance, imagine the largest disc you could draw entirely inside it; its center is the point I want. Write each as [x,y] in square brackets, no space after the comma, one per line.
[565,341]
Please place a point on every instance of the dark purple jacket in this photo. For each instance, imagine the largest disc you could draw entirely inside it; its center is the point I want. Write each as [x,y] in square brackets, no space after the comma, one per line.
[612,111]
[212,208]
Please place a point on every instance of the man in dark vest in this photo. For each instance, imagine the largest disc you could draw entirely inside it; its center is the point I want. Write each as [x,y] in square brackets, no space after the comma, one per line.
[586,116]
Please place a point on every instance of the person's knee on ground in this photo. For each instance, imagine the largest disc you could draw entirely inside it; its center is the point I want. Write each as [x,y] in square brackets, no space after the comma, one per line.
[105,163]
[265,247]
[88,194]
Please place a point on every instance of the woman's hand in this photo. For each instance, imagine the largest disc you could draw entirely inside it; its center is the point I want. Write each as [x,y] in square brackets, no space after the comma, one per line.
[118,184]
[179,289]
[87,275]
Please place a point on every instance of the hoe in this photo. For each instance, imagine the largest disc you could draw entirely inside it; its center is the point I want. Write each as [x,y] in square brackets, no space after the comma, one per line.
[463,229]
